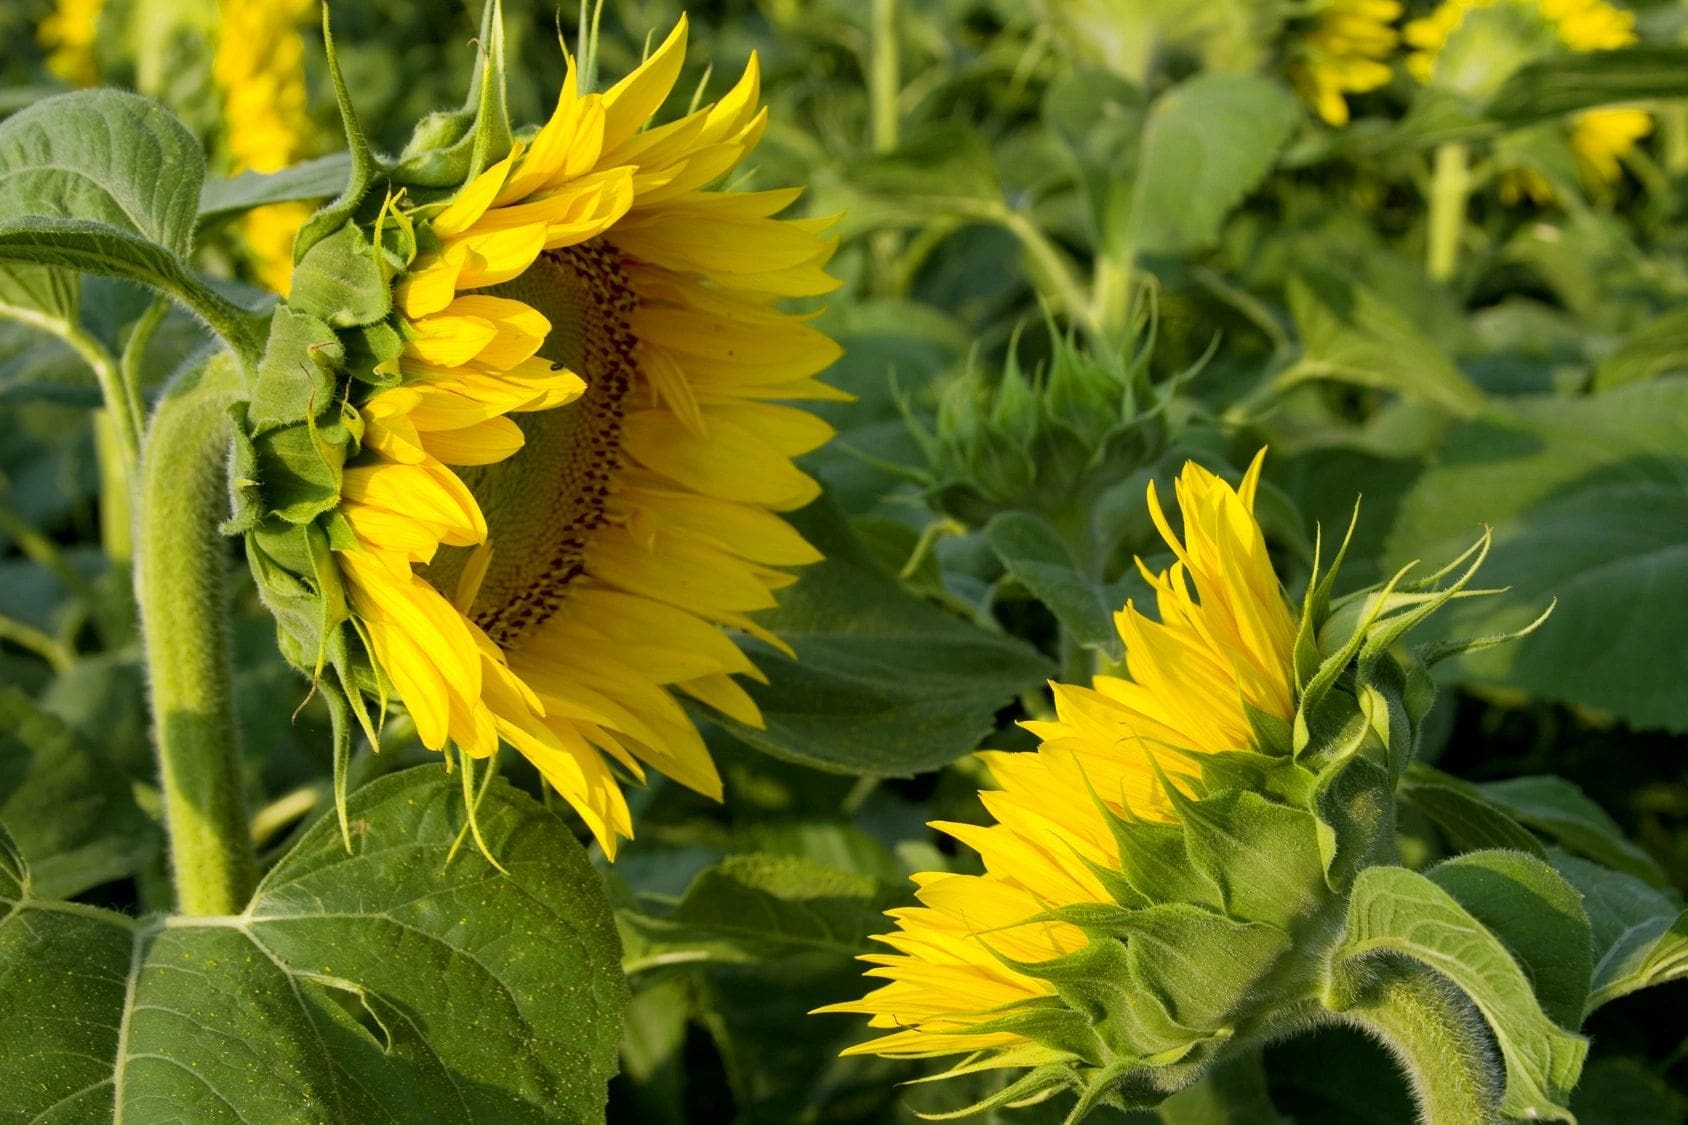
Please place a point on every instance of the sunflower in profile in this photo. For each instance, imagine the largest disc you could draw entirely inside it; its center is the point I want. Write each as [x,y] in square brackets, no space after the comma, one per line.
[1346,51]
[1476,44]
[259,68]
[564,500]
[1221,649]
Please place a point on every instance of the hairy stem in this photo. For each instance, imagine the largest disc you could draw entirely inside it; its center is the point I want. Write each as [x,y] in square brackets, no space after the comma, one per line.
[179,584]
[1436,1036]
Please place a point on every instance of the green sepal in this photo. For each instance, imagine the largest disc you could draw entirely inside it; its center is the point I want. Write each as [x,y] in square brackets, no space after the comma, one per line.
[341,209]
[340,280]
[1274,777]
[1098,983]
[1355,808]
[1264,857]
[1039,1082]
[1052,1024]
[1315,605]
[1203,966]
[372,353]
[298,377]
[300,584]
[299,470]
[1154,861]
[451,148]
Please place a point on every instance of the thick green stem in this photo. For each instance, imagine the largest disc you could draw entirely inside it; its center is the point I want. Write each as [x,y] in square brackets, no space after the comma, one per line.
[1450,189]
[179,584]
[1435,1035]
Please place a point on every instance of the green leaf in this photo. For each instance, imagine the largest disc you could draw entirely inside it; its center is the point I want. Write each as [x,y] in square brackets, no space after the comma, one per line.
[1640,933]
[1394,910]
[1034,554]
[1352,335]
[1460,810]
[322,178]
[63,970]
[1537,915]
[1659,348]
[1206,143]
[106,157]
[1585,496]
[785,901]
[1566,83]
[70,810]
[1556,808]
[353,986]
[884,683]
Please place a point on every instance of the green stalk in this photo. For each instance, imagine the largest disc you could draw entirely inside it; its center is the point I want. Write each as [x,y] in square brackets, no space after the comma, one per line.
[116,488]
[1436,1037]
[1450,189]
[179,585]
[884,76]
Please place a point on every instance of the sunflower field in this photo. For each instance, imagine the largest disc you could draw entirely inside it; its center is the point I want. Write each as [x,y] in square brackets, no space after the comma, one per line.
[844,561]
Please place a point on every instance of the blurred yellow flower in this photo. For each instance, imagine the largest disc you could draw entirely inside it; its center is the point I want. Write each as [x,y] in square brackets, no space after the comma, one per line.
[571,497]
[260,69]
[1223,646]
[1599,138]
[68,36]
[1345,52]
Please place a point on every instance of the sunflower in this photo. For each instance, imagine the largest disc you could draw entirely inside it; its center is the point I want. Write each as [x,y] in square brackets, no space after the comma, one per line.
[260,69]
[1520,30]
[1221,650]
[1345,52]
[569,502]
[68,36]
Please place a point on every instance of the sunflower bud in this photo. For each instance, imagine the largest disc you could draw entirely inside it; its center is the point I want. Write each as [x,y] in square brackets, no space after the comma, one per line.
[1045,442]
[1169,873]
[514,457]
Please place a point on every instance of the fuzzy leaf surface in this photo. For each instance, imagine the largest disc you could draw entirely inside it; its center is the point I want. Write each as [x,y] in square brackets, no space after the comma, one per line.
[354,988]
[1397,911]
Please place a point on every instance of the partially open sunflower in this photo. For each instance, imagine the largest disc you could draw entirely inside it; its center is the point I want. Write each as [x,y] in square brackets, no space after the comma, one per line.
[559,490]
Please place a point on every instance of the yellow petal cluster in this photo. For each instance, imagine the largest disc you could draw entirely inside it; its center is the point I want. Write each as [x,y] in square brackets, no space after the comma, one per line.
[1223,645]
[1599,138]
[260,69]
[594,327]
[68,35]
[1345,52]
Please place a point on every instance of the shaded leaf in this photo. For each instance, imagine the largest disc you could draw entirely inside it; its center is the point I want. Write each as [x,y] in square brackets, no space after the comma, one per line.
[1587,502]
[884,683]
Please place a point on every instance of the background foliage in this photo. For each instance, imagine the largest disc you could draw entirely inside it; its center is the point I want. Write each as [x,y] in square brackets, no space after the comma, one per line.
[1017,197]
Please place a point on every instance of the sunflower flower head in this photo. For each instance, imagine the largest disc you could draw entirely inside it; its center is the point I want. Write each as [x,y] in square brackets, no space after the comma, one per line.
[1161,875]
[1345,51]
[259,68]
[68,35]
[519,446]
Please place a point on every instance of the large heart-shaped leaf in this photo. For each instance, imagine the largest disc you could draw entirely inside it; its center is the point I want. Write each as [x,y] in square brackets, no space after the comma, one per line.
[1587,500]
[383,985]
